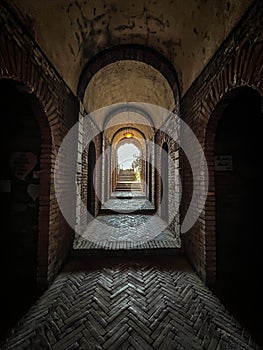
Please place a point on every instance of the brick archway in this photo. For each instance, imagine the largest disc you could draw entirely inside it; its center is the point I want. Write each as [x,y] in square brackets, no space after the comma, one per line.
[243,70]
[130,52]
[17,65]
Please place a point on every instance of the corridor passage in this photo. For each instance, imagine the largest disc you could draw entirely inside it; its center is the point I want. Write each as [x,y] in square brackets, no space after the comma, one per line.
[127,222]
[140,303]
[131,182]
[127,232]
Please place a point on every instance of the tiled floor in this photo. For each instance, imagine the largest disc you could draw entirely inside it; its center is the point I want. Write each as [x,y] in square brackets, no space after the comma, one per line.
[127,204]
[128,304]
[130,224]
[127,231]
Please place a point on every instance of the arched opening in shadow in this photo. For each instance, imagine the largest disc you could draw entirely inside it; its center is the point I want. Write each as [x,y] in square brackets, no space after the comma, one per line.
[91,192]
[21,188]
[164,182]
[238,203]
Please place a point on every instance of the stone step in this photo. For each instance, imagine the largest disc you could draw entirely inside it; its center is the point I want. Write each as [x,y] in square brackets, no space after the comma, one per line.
[124,186]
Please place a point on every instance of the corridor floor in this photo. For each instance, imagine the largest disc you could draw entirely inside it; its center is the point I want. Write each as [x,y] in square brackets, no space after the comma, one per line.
[127,202]
[120,303]
[127,232]
[127,222]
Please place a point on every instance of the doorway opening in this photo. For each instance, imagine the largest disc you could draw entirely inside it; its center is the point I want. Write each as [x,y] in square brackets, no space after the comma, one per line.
[20,150]
[129,168]
[238,203]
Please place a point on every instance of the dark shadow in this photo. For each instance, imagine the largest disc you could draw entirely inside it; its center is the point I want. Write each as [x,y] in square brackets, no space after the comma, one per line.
[20,149]
[239,209]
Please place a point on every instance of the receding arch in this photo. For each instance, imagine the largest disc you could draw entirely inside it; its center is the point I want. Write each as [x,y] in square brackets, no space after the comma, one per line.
[129,52]
[123,129]
[131,108]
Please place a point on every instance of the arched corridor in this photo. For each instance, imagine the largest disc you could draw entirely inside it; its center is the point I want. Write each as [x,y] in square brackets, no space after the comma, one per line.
[131,179]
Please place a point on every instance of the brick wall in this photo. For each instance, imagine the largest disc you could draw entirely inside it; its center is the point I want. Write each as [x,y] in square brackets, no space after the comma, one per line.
[168,134]
[56,109]
[87,128]
[238,62]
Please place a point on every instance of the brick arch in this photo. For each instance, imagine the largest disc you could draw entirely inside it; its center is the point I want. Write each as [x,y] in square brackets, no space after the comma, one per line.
[244,70]
[130,52]
[16,65]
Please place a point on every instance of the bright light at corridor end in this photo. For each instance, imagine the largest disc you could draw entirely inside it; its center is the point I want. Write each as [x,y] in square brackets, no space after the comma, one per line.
[128,135]
[68,188]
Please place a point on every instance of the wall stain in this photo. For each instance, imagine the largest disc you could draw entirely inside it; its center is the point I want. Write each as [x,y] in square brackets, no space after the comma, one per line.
[123,27]
[195,31]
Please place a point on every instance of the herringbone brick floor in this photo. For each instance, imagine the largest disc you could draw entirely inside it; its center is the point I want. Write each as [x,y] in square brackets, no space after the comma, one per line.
[136,304]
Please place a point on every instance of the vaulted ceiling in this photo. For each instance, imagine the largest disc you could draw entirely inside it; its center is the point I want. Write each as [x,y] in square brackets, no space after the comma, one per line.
[187,33]
[128,81]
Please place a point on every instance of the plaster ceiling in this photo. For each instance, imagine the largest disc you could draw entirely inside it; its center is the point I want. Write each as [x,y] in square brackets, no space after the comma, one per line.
[187,33]
[128,81]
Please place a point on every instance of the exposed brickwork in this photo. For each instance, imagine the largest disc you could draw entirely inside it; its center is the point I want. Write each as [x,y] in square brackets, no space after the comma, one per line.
[87,129]
[56,110]
[237,63]
[168,134]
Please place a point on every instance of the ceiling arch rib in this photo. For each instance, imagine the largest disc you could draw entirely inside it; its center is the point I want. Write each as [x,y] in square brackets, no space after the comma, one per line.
[131,109]
[139,144]
[124,120]
[130,88]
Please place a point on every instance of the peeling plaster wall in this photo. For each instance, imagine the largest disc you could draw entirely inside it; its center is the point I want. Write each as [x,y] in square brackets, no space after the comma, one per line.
[187,32]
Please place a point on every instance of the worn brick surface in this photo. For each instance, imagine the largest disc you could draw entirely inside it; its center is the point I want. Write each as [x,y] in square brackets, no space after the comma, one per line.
[135,304]
[122,232]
